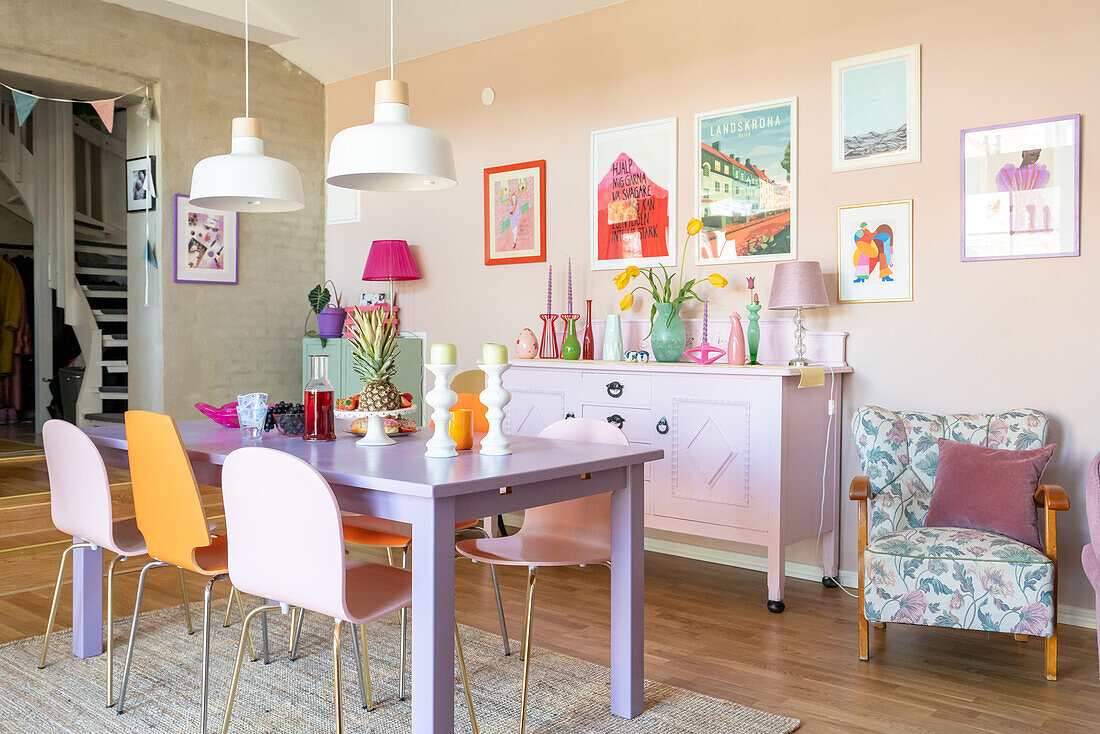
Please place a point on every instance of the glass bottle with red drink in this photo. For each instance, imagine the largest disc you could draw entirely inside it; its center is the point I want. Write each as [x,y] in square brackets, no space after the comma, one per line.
[319,401]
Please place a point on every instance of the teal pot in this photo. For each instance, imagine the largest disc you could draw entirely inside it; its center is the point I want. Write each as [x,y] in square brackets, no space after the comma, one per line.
[668,338]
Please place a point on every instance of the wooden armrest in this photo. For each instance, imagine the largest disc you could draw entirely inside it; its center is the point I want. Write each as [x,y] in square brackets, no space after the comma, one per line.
[861,488]
[1052,497]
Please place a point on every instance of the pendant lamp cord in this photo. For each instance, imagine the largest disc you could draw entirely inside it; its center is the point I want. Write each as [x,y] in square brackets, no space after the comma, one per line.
[391,40]
[246,58]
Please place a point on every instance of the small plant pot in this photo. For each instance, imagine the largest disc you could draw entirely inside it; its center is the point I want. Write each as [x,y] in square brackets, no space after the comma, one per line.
[330,322]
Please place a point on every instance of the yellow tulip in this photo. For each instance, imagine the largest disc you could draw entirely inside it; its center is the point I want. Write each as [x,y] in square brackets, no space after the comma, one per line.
[633,271]
[717,280]
[627,302]
[621,280]
[694,227]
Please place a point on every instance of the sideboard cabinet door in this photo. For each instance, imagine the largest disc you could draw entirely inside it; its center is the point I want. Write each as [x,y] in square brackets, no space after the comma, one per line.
[718,436]
[539,397]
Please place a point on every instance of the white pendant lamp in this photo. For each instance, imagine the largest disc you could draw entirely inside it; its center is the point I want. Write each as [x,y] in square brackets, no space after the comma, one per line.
[391,154]
[246,180]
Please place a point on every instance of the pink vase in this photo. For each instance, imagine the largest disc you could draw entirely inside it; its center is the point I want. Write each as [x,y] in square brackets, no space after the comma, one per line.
[735,350]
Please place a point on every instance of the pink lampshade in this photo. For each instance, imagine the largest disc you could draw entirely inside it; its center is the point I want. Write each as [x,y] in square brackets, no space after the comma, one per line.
[798,285]
[390,260]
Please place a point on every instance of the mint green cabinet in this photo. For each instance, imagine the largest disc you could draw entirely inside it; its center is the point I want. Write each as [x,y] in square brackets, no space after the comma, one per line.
[410,368]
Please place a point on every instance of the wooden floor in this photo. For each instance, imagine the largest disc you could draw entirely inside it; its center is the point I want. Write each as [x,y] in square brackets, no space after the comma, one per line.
[707,629]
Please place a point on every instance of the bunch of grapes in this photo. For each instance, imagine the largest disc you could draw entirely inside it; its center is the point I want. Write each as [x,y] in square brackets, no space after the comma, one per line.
[281,408]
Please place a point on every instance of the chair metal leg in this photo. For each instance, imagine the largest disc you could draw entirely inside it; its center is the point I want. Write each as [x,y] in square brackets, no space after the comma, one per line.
[500,605]
[206,647]
[293,627]
[133,633]
[297,635]
[465,680]
[247,621]
[263,628]
[526,648]
[362,665]
[336,674]
[229,605]
[56,599]
[389,554]
[111,629]
[240,610]
[186,604]
[404,633]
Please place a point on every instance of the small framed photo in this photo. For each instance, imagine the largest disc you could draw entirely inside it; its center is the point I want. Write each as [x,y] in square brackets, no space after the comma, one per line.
[141,190]
[206,244]
[1021,190]
[515,213]
[876,109]
[370,300]
[875,252]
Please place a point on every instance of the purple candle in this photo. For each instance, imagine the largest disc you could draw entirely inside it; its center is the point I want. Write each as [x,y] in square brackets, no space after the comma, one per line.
[569,291]
[705,303]
[549,289]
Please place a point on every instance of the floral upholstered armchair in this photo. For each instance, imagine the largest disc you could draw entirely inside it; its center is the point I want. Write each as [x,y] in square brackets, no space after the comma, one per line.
[947,577]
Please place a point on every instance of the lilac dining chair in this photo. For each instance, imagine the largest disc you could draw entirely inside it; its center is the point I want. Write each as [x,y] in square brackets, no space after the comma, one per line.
[80,505]
[572,533]
[1090,554]
[286,543]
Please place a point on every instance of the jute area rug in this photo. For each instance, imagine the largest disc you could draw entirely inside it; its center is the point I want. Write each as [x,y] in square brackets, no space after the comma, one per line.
[566,694]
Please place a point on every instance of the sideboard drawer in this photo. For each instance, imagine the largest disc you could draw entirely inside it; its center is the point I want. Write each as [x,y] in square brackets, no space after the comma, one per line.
[637,423]
[615,388]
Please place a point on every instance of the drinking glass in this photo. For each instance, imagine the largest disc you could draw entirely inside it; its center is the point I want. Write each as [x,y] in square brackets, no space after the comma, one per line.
[252,414]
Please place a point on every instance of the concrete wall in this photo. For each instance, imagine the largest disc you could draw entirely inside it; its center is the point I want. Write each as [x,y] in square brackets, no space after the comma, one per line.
[198,342]
[977,337]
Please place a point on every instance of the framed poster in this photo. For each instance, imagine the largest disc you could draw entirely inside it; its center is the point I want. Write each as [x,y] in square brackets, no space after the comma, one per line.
[633,195]
[875,252]
[206,244]
[1021,190]
[746,169]
[141,190]
[876,109]
[515,213]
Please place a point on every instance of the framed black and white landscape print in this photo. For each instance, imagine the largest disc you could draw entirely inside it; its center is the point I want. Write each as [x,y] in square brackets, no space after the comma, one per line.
[876,109]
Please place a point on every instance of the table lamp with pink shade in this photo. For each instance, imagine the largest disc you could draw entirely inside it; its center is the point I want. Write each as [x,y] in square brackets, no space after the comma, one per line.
[390,260]
[798,285]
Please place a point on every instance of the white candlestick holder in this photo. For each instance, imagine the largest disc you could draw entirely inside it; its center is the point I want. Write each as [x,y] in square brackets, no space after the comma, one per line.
[494,397]
[441,398]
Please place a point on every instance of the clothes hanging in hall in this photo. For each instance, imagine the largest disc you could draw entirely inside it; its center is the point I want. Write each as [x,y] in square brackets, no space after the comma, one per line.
[16,342]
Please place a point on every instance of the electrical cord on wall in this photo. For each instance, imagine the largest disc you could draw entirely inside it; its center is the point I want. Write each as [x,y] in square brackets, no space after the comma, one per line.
[824,480]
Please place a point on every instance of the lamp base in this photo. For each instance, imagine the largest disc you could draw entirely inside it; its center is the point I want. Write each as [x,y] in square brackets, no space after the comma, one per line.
[799,362]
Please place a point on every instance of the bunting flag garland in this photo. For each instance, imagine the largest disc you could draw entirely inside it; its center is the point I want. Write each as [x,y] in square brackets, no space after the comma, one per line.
[105,108]
[24,103]
[150,255]
[145,109]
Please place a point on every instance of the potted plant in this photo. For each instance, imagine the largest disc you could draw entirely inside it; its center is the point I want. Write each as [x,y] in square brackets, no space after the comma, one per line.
[373,336]
[666,328]
[330,319]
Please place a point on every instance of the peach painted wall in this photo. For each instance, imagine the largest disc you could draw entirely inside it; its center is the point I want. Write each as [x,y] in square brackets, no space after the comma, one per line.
[977,337]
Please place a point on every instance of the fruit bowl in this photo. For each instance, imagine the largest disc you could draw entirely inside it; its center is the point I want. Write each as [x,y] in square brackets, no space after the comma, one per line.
[290,424]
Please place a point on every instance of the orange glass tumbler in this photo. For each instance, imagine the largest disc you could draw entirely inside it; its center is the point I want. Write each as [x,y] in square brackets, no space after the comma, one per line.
[462,428]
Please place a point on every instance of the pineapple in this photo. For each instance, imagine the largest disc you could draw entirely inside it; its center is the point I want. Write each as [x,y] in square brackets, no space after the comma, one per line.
[374,343]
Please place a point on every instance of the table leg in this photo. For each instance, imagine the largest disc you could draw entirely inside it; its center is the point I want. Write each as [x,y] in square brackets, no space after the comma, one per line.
[627,592]
[87,602]
[433,604]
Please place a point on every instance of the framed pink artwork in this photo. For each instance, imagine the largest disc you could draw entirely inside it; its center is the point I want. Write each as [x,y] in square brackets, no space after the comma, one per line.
[515,213]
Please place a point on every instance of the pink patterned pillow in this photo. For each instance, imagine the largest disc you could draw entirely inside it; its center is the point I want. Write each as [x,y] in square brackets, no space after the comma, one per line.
[988,489]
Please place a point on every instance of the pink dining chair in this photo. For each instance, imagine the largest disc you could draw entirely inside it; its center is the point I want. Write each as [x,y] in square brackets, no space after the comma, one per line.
[286,542]
[1090,554]
[572,533]
[80,505]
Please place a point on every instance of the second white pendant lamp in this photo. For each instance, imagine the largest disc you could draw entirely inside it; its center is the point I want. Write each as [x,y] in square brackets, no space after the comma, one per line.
[246,180]
[391,154]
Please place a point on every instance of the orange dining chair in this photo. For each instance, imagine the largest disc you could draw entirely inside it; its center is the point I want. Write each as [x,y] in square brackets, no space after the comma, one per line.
[572,533]
[286,543]
[171,517]
[80,505]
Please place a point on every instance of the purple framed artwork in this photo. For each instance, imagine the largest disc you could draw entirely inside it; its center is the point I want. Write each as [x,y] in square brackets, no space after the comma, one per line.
[205,244]
[1021,190]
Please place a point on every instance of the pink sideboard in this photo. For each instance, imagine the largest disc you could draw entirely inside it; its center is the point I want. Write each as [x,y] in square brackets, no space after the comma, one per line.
[744,446]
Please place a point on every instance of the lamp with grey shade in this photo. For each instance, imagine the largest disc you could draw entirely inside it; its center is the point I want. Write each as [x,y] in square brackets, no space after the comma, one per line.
[798,285]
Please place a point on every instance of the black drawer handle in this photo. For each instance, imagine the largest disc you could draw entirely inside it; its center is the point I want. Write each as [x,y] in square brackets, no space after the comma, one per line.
[617,419]
[569,415]
[615,389]
[662,426]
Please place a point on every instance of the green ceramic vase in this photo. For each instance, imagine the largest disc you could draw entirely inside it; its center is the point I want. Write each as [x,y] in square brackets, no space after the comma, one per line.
[571,345]
[753,336]
[668,338]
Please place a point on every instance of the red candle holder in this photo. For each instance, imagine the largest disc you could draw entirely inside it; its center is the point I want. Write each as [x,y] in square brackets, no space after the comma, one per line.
[548,347]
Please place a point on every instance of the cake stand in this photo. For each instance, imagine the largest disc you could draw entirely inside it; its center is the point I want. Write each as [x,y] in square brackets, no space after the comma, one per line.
[376,427]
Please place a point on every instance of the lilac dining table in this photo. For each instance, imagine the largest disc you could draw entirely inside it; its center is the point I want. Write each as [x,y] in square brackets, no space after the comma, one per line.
[399,483]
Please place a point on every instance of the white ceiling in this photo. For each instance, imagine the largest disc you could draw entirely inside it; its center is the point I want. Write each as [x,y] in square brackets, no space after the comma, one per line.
[337,39]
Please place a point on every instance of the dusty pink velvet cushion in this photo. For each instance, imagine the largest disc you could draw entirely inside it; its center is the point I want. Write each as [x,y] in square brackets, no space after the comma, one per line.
[988,489]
